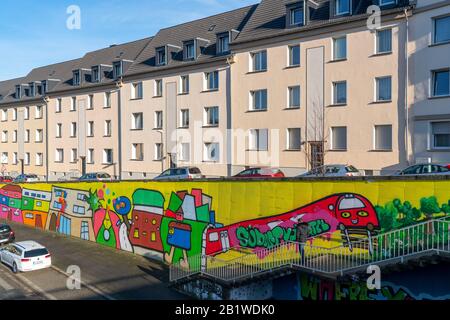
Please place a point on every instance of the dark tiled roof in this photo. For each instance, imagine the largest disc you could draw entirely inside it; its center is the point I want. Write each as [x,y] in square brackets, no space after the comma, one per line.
[269,18]
[206,28]
[7,88]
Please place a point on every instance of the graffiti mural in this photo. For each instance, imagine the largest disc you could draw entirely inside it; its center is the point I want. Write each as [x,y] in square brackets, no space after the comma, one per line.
[184,219]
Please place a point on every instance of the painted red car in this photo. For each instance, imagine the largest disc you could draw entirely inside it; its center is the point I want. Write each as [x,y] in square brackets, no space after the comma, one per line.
[6,179]
[260,173]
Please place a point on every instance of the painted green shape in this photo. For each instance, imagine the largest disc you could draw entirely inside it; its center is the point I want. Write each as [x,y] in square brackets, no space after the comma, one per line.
[175,202]
[15,203]
[142,197]
[203,213]
[107,241]
[27,203]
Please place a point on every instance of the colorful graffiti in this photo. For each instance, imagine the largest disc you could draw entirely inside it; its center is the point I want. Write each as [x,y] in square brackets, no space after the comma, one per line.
[158,218]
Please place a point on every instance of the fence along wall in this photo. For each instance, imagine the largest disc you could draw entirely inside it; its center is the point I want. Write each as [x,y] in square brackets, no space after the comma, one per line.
[176,220]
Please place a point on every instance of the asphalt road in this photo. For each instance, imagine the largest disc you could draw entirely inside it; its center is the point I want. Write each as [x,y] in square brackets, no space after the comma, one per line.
[106,273]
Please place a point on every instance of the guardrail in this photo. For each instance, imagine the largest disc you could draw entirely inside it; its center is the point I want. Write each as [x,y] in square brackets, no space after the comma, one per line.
[427,237]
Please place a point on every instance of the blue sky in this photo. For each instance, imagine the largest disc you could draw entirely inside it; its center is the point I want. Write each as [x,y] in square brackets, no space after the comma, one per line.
[33,33]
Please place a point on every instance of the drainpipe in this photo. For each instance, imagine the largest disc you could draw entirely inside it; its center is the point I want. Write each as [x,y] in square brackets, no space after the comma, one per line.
[119,85]
[46,100]
[406,89]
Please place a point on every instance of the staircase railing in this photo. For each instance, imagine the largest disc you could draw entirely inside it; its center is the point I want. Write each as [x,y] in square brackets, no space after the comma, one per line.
[429,236]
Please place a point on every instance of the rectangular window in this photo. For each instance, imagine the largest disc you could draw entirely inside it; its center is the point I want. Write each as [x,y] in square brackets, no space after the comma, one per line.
[441,83]
[342,7]
[26,113]
[14,138]
[14,116]
[59,155]
[158,151]
[294,139]
[212,80]
[442,29]
[294,56]
[4,136]
[137,121]
[339,138]
[27,159]
[15,158]
[258,100]
[58,130]
[4,115]
[340,48]
[137,151]
[384,41]
[296,16]
[73,104]
[184,84]
[90,102]
[158,88]
[90,129]
[107,100]
[384,89]
[185,152]
[136,92]
[259,61]
[108,128]
[39,112]
[440,134]
[90,156]
[158,120]
[27,136]
[76,78]
[211,152]
[107,156]
[294,97]
[39,159]
[161,56]
[73,129]
[340,92]
[189,50]
[211,116]
[95,74]
[4,159]
[258,139]
[383,137]
[117,69]
[58,105]
[184,118]
[39,135]
[73,155]
[223,43]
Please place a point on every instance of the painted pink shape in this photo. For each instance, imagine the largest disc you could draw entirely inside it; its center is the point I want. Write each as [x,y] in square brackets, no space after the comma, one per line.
[100,194]
[4,211]
[16,215]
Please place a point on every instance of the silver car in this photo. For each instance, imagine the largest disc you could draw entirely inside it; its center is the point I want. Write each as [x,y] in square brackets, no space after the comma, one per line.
[185,173]
[429,169]
[333,170]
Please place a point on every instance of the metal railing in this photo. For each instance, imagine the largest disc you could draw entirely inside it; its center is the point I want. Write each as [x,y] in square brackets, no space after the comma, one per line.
[424,238]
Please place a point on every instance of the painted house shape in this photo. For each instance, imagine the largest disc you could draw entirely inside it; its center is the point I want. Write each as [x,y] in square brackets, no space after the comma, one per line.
[148,210]
[35,207]
[11,203]
[70,213]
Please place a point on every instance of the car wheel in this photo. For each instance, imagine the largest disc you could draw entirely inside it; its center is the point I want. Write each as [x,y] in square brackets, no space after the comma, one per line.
[14,268]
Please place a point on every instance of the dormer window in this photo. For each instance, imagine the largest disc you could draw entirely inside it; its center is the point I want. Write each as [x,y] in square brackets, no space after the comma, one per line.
[76,77]
[223,43]
[18,92]
[343,7]
[39,90]
[189,50]
[32,89]
[295,15]
[161,56]
[117,69]
[44,87]
[387,2]
[95,74]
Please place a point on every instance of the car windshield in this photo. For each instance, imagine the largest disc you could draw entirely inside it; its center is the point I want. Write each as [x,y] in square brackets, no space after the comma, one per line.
[36,253]
[104,175]
[5,228]
[351,169]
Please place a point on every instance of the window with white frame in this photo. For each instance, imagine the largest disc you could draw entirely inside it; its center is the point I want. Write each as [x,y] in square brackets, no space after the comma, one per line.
[107,102]
[90,156]
[27,136]
[211,116]
[158,151]
[73,104]
[58,130]
[440,83]
[26,113]
[39,112]
[223,43]
[440,135]
[294,97]
[58,105]
[108,128]
[384,89]
[258,139]
[339,138]
[294,56]
[73,155]
[39,135]
[184,118]
[383,137]
[441,29]
[90,129]
[15,159]
[73,129]
[296,16]
[90,102]
[185,152]
[107,156]
[211,81]
[14,114]
[39,159]
[294,141]
[4,159]
[137,121]
[96,74]
[59,155]
[384,41]
[339,92]
[158,120]
[136,91]
[117,69]
[84,230]
[342,7]
[340,48]
[14,137]
[4,115]
[137,151]
[161,56]
[27,159]
[258,100]
[158,88]
[189,50]
[259,61]
[4,136]
[184,84]
[212,152]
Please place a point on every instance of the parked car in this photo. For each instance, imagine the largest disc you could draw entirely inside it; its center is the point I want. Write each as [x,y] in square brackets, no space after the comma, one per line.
[96,176]
[6,234]
[6,179]
[426,169]
[333,170]
[25,256]
[260,173]
[184,173]
[26,178]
